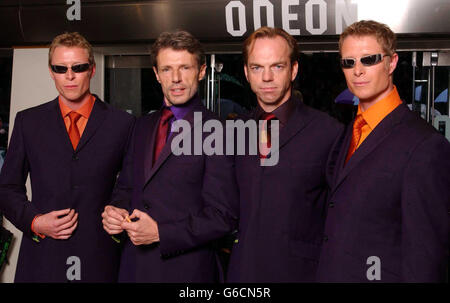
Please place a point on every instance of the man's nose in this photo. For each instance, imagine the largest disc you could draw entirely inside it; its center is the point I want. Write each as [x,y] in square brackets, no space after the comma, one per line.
[358,69]
[70,75]
[267,74]
[176,76]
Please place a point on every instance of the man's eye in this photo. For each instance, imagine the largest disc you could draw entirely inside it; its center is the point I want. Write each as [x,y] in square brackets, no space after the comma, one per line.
[255,68]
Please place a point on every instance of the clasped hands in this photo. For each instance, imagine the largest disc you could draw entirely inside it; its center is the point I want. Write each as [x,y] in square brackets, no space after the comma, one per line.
[142,231]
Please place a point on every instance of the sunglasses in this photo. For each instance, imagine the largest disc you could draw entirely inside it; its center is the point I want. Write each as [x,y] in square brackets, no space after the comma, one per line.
[78,68]
[366,60]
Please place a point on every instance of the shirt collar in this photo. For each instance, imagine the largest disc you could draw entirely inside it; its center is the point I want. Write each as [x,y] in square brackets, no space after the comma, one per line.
[84,111]
[282,112]
[179,111]
[377,112]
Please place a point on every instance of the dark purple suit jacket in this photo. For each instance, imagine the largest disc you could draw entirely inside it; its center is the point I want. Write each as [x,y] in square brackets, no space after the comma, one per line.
[391,201]
[192,197]
[282,206]
[63,178]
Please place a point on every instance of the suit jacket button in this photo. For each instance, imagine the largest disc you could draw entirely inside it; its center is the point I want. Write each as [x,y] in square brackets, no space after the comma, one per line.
[331,205]
[146,206]
[325,238]
[75,157]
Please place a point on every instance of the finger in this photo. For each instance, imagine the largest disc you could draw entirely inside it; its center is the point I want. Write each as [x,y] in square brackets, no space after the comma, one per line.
[112,228]
[65,219]
[71,216]
[68,231]
[116,213]
[62,212]
[129,226]
[136,214]
[68,224]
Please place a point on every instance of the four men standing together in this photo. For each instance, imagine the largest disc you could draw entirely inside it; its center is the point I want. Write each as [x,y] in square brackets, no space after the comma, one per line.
[378,191]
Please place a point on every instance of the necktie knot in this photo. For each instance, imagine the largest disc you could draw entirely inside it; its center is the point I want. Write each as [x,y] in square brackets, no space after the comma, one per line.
[356,135]
[359,122]
[268,116]
[166,115]
[74,117]
[162,131]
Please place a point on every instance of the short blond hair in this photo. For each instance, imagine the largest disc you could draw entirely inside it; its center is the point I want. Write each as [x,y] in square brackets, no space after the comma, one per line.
[73,39]
[384,35]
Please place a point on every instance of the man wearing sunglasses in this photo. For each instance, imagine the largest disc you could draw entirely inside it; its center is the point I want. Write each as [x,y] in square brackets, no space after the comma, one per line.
[387,217]
[72,147]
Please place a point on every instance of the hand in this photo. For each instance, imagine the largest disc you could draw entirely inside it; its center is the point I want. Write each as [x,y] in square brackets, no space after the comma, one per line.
[58,224]
[113,218]
[144,230]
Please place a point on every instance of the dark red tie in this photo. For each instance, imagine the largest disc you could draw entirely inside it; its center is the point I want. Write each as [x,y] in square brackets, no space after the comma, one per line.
[161,136]
[264,135]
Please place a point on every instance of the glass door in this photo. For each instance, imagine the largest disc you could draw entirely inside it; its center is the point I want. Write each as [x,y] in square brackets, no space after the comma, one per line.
[431,82]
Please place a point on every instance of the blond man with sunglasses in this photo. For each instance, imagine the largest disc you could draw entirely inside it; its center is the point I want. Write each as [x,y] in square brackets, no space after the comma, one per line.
[387,217]
[72,148]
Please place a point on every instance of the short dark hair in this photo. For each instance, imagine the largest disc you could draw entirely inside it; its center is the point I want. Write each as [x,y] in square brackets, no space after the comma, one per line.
[384,35]
[270,32]
[178,40]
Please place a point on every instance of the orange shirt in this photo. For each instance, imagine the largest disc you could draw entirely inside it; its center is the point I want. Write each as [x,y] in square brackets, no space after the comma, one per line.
[84,111]
[377,112]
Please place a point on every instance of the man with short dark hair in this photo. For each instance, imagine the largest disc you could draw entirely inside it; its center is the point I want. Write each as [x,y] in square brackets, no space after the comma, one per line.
[282,204]
[388,210]
[179,204]
[72,147]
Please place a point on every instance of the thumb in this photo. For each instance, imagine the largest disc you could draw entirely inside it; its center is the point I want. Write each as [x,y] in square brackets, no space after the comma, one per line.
[62,212]
[136,214]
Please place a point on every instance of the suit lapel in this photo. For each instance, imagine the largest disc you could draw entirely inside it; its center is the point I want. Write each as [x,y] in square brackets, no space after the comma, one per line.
[378,135]
[96,118]
[58,125]
[167,150]
[296,123]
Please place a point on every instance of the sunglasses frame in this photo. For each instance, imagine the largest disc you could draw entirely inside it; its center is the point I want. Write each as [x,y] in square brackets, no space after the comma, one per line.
[79,68]
[378,59]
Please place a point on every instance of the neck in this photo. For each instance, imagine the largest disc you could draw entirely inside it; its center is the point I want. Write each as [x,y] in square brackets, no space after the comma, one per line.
[268,108]
[78,103]
[367,103]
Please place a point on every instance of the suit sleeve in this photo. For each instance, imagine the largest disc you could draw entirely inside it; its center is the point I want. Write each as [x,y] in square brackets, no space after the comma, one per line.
[121,195]
[218,216]
[13,197]
[425,211]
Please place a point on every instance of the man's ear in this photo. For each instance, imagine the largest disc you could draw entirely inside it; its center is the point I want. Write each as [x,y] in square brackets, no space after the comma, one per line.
[202,72]
[92,71]
[246,71]
[155,70]
[51,73]
[294,70]
[393,63]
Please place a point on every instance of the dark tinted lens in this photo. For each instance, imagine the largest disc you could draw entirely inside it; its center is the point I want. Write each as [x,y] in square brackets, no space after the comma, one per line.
[347,62]
[79,68]
[59,69]
[371,60]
